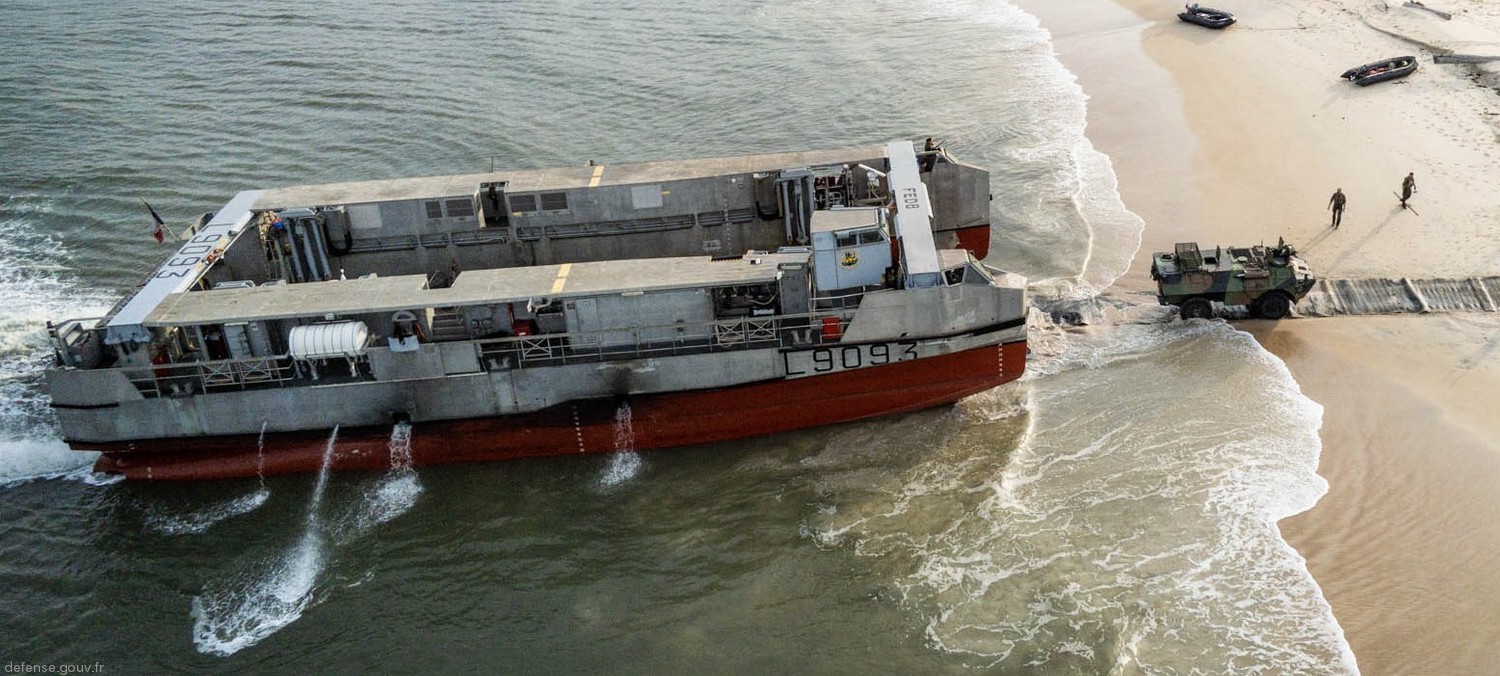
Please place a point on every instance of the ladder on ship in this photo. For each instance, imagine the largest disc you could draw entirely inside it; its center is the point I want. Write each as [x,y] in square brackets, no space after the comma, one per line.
[448,324]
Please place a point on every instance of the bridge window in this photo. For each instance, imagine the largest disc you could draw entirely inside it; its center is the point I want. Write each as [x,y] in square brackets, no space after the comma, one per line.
[858,237]
[954,276]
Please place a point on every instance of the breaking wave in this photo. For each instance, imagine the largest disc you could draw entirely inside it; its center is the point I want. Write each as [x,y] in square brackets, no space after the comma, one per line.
[1094,546]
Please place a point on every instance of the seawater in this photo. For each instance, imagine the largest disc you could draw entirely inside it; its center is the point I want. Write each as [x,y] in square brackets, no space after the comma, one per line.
[1114,511]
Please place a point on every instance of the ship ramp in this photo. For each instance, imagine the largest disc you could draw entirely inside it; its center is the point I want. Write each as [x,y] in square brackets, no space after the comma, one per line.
[1328,298]
[1376,296]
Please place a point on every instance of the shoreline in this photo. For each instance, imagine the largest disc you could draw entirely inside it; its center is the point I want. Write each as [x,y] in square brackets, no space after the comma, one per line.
[1405,544]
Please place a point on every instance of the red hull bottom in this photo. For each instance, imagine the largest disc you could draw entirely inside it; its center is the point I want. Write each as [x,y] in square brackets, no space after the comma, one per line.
[657,421]
[975,240]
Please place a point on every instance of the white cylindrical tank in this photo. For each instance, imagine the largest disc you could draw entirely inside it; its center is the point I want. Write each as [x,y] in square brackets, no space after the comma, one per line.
[321,341]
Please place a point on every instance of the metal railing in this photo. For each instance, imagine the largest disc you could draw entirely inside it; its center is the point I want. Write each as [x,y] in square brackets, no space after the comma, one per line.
[176,380]
[549,349]
[743,333]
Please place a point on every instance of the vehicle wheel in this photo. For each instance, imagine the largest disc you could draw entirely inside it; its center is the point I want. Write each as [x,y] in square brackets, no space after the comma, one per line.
[1197,308]
[1273,306]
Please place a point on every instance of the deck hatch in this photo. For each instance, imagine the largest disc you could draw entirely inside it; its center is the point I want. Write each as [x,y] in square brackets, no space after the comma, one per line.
[522,204]
[459,207]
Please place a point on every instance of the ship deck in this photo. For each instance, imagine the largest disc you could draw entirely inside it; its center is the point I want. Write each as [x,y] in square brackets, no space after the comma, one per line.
[555,178]
[475,287]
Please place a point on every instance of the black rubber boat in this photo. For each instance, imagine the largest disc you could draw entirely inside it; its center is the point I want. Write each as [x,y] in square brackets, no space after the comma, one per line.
[1380,71]
[1206,16]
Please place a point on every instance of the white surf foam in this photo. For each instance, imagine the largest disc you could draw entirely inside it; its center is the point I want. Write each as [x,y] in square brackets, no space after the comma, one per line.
[202,519]
[26,460]
[392,495]
[36,290]
[275,593]
[624,462]
[623,466]
[267,598]
[389,497]
[1057,189]
[1134,524]
[272,595]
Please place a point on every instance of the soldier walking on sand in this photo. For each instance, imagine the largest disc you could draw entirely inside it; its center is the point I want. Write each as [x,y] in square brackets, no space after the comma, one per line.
[1408,186]
[1336,203]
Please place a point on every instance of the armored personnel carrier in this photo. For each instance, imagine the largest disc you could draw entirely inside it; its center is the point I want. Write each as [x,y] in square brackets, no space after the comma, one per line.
[1269,280]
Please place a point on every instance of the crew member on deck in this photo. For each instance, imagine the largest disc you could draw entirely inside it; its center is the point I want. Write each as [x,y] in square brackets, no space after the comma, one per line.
[930,156]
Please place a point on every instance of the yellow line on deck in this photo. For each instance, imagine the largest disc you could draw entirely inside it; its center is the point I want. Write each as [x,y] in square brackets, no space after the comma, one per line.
[562,277]
[598,171]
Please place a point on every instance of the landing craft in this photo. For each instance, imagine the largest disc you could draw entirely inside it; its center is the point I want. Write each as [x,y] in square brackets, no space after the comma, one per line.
[509,314]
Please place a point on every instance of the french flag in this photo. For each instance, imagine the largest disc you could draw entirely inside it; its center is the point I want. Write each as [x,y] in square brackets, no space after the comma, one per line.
[160,230]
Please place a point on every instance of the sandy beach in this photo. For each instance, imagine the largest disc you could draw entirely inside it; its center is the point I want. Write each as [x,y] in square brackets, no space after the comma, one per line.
[1240,136]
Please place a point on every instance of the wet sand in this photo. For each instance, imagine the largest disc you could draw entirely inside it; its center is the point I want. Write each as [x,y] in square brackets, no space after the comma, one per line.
[1240,136]
[1406,544]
